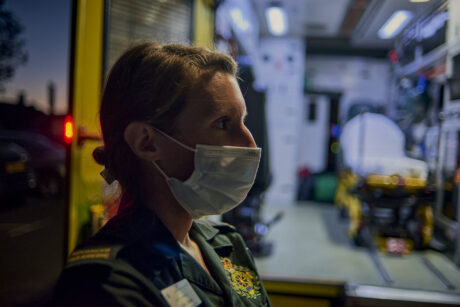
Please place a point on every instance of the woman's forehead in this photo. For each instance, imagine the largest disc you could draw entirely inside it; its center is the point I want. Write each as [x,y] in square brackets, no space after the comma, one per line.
[203,108]
[220,95]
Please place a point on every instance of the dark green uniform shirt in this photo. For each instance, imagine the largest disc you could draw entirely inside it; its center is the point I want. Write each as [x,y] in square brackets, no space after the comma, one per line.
[132,258]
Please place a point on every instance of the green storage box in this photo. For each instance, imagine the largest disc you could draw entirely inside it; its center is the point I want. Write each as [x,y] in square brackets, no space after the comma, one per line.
[324,187]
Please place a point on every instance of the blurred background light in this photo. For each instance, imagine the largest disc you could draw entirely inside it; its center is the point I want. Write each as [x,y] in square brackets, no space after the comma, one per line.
[239,20]
[276,20]
[395,24]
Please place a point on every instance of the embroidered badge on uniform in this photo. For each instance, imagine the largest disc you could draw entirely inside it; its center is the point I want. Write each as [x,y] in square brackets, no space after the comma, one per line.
[244,281]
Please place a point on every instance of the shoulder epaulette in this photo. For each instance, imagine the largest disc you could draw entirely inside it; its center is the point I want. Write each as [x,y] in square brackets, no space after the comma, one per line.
[95,252]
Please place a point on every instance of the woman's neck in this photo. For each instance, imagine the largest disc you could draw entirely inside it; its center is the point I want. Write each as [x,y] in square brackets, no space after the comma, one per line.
[169,211]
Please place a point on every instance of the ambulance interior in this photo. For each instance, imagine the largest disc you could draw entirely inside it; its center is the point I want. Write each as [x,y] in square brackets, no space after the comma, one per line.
[355,104]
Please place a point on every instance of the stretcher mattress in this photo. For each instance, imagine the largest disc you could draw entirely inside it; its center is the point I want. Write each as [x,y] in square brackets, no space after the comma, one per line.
[373,144]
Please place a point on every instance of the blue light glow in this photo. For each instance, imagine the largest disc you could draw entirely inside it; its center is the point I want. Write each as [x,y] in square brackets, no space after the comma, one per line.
[335,131]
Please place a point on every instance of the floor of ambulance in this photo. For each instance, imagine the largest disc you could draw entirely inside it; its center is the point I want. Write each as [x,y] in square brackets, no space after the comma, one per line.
[311,243]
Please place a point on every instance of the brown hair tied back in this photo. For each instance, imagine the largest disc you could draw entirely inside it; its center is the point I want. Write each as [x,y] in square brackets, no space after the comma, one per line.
[99,155]
[149,82]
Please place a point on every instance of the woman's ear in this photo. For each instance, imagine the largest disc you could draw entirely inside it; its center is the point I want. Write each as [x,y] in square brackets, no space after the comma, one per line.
[141,138]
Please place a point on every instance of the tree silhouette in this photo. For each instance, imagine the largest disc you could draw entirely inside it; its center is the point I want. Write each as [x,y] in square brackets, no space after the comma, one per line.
[12,51]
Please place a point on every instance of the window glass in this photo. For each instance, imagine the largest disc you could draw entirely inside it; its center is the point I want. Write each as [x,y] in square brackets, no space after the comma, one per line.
[34,70]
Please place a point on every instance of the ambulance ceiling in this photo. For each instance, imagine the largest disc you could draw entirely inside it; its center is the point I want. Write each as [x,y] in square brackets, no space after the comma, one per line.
[341,23]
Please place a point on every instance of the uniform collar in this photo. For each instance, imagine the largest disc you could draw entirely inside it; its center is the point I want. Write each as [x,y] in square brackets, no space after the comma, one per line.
[139,223]
[213,247]
[143,228]
[209,231]
[205,228]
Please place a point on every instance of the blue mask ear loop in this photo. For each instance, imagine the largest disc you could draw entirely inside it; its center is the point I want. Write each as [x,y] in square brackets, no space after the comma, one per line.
[175,141]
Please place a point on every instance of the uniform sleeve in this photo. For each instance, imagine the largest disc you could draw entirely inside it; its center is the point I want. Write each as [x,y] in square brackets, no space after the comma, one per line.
[101,285]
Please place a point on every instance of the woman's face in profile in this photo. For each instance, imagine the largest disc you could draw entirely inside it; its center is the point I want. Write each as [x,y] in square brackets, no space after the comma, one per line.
[213,115]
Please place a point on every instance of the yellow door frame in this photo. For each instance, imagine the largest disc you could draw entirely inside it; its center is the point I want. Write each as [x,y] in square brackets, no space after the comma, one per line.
[84,185]
[204,23]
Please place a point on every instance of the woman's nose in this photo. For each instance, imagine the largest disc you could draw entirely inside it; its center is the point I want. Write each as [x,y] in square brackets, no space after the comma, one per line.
[248,140]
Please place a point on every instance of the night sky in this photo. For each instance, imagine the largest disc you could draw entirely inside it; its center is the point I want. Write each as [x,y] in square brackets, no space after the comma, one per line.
[47,28]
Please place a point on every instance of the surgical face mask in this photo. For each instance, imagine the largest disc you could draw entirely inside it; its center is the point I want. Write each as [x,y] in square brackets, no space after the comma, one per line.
[222,178]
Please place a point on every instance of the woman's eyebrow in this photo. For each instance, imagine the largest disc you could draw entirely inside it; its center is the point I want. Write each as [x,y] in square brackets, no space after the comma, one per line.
[220,108]
[217,109]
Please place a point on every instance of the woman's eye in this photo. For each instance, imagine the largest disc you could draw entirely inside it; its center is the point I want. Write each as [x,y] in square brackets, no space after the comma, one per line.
[222,123]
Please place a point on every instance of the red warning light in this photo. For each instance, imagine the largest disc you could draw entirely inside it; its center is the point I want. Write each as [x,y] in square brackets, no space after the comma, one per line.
[393,55]
[68,129]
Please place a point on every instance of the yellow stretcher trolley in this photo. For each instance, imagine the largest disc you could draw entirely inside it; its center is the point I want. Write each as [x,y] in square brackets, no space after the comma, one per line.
[381,189]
